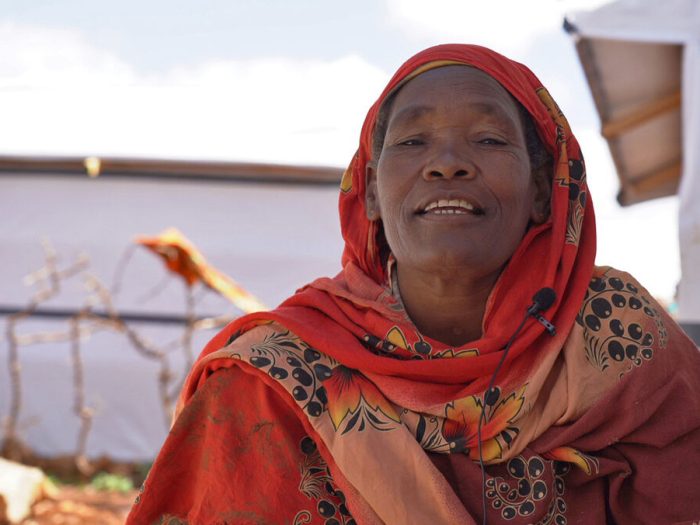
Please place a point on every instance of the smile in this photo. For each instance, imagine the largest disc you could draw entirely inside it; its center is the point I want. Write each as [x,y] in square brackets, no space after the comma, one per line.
[451,207]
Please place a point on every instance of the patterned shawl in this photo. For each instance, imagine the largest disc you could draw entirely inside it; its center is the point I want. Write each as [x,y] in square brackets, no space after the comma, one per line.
[374,394]
[352,319]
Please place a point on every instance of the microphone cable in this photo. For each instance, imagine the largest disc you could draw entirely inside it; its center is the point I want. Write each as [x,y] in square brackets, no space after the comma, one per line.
[542,300]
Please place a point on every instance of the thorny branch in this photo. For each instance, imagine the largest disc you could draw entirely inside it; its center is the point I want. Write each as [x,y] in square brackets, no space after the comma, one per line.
[80,327]
[50,277]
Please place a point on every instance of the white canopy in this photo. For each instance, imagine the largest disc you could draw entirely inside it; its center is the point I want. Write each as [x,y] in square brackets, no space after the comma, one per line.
[271,237]
[668,23]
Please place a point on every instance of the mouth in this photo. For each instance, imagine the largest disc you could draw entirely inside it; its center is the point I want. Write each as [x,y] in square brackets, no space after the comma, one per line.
[451,207]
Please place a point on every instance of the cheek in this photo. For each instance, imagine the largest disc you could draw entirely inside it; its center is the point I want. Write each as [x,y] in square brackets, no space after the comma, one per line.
[392,192]
[515,190]
[394,212]
[516,213]
[392,218]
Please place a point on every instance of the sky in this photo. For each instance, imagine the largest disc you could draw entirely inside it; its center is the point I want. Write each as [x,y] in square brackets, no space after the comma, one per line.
[284,81]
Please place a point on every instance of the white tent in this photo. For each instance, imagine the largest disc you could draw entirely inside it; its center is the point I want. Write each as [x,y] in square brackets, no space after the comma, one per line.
[271,228]
[636,54]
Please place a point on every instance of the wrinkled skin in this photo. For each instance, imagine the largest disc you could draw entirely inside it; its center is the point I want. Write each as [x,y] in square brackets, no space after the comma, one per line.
[453,133]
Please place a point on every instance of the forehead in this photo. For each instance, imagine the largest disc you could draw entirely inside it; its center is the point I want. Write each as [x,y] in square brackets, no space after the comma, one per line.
[454,86]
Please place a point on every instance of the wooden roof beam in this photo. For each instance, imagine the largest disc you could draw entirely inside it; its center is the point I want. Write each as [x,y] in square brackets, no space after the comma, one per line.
[641,114]
[171,169]
[662,182]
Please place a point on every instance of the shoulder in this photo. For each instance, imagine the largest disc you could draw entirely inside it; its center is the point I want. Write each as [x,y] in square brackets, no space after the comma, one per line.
[625,327]
[237,453]
[278,358]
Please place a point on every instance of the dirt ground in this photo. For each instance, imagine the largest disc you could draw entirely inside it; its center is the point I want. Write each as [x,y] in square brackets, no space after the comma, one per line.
[82,505]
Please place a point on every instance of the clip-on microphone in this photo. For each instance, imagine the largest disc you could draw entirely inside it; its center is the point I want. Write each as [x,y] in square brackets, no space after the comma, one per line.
[541,301]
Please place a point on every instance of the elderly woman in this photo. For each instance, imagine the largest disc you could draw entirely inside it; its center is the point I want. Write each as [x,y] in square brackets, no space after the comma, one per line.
[468,364]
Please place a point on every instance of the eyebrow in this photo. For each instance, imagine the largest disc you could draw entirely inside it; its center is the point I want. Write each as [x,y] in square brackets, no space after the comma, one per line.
[410,113]
[415,112]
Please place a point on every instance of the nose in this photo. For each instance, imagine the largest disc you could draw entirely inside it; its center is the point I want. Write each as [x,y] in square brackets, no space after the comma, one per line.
[449,161]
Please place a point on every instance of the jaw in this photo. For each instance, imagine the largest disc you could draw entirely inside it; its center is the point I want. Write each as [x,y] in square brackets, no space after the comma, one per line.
[453,247]
[451,280]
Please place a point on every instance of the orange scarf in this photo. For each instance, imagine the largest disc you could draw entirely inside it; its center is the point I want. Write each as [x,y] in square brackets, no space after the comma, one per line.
[352,319]
[354,374]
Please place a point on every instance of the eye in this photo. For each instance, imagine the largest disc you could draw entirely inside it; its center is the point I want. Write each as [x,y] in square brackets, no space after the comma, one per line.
[492,141]
[411,142]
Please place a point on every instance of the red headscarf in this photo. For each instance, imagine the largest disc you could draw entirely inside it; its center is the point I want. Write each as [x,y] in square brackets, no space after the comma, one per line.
[351,318]
[557,399]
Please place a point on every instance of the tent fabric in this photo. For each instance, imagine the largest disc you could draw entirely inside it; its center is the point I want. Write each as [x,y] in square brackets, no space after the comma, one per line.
[636,87]
[286,250]
[674,22]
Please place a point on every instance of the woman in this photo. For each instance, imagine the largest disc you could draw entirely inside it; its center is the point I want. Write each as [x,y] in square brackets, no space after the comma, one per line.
[386,393]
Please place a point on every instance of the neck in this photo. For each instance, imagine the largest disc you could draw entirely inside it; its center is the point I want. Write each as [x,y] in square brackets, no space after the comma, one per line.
[446,308]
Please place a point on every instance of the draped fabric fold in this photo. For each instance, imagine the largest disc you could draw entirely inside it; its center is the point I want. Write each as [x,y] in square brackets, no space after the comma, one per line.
[394,414]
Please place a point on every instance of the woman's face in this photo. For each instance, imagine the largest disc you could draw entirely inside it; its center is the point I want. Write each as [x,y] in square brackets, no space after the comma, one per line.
[453,184]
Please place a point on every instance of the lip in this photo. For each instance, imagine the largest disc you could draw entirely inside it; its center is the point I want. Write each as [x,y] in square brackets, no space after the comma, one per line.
[451,219]
[449,196]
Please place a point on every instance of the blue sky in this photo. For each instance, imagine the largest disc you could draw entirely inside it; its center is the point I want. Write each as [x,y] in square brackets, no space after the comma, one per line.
[282,81]
[158,35]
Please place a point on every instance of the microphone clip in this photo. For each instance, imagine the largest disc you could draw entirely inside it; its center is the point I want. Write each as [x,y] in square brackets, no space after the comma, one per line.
[547,325]
[542,300]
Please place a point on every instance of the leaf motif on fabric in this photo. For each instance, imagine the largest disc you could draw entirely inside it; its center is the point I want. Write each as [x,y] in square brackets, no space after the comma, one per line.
[460,426]
[346,180]
[313,469]
[453,352]
[589,464]
[554,111]
[396,337]
[574,225]
[354,398]
[317,484]
[169,519]
[427,430]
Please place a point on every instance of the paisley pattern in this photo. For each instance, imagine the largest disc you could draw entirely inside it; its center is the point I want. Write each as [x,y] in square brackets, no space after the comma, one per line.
[577,200]
[317,484]
[573,176]
[531,482]
[300,368]
[395,343]
[556,114]
[352,379]
[324,388]
[622,328]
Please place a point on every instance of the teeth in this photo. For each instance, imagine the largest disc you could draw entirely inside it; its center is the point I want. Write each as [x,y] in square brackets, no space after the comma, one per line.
[453,205]
[449,211]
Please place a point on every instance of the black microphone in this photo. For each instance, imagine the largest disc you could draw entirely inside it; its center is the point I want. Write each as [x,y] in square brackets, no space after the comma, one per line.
[542,300]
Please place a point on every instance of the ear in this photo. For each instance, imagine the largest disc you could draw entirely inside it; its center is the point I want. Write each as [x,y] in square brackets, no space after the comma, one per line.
[371,197]
[541,179]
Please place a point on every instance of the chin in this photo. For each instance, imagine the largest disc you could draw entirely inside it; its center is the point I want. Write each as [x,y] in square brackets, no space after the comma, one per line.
[449,261]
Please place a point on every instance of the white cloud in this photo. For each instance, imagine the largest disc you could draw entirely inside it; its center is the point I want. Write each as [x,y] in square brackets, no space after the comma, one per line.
[504,26]
[60,95]
[48,58]
[507,26]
